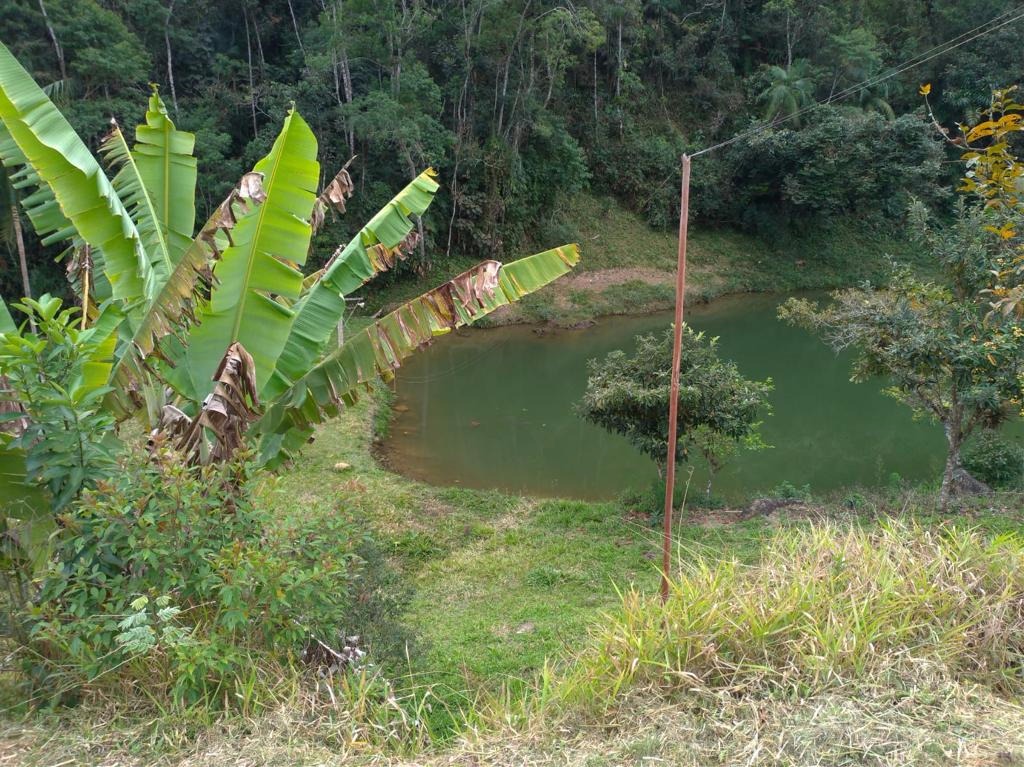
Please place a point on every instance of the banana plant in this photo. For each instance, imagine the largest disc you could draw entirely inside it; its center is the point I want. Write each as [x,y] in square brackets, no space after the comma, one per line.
[224,318]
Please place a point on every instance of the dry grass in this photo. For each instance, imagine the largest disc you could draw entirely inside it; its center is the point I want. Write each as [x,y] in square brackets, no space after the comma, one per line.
[824,607]
[933,723]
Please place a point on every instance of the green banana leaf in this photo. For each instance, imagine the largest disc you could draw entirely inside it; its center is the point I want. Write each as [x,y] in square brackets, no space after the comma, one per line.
[163,156]
[98,344]
[173,308]
[260,265]
[379,349]
[47,219]
[134,194]
[86,196]
[320,310]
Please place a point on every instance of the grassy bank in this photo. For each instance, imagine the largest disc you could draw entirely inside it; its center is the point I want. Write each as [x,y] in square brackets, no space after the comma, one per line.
[628,268]
[779,624]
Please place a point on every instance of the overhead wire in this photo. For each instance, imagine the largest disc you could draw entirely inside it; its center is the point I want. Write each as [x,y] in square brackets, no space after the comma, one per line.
[996,22]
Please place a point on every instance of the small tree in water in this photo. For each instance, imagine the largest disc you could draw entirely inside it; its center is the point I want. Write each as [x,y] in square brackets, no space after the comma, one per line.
[629,395]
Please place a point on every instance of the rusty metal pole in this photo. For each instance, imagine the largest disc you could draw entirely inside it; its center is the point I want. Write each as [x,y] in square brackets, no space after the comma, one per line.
[673,403]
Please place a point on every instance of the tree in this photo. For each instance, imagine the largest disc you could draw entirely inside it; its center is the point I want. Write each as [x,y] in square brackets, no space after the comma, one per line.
[629,395]
[951,356]
[947,356]
[224,317]
[843,162]
[789,90]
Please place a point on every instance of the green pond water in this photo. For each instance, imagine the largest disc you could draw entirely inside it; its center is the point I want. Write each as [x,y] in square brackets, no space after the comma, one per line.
[493,408]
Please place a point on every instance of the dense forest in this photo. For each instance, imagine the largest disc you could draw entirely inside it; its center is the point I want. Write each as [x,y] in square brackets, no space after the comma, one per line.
[521,104]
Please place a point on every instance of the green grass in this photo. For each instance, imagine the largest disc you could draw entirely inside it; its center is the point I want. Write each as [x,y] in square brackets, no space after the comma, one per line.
[725,261]
[501,582]
[823,607]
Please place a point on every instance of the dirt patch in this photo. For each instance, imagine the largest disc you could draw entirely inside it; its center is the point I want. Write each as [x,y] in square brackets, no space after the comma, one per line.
[600,279]
[774,509]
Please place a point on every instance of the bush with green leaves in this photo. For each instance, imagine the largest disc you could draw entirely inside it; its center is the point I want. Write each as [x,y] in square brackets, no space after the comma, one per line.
[996,460]
[56,439]
[629,395]
[177,582]
[53,392]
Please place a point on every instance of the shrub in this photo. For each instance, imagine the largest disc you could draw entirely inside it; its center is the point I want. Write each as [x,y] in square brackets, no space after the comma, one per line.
[48,373]
[651,500]
[171,580]
[995,460]
[788,491]
[629,395]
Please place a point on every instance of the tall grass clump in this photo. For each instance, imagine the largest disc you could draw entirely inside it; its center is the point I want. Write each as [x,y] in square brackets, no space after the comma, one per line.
[824,608]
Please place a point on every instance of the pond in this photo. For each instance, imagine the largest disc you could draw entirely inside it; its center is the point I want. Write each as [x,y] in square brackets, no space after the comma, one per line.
[493,408]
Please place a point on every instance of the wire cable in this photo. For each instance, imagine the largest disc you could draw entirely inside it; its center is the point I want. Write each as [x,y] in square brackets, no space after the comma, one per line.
[989,26]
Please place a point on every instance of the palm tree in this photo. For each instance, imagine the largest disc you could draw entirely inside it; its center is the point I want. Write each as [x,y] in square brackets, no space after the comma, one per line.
[789,91]
[875,98]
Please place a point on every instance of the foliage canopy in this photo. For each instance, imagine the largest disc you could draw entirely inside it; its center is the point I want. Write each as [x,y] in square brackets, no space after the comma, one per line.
[629,395]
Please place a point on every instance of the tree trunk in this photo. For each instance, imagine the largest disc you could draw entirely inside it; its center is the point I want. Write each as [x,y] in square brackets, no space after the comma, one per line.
[346,83]
[954,440]
[789,43]
[259,45]
[252,88]
[170,65]
[19,239]
[618,64]
[295,26]
[53,39]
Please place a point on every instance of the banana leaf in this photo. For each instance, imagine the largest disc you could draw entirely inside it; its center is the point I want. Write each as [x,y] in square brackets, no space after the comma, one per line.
[167,169]
[370,252]
[98,344]
[85,195]
[6,320]
[42,208]
[26,524]
[260,266]
[376,351]
[173,309]
[133,193]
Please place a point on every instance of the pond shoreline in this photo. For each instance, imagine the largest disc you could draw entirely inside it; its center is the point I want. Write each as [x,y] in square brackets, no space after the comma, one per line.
[493,410]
